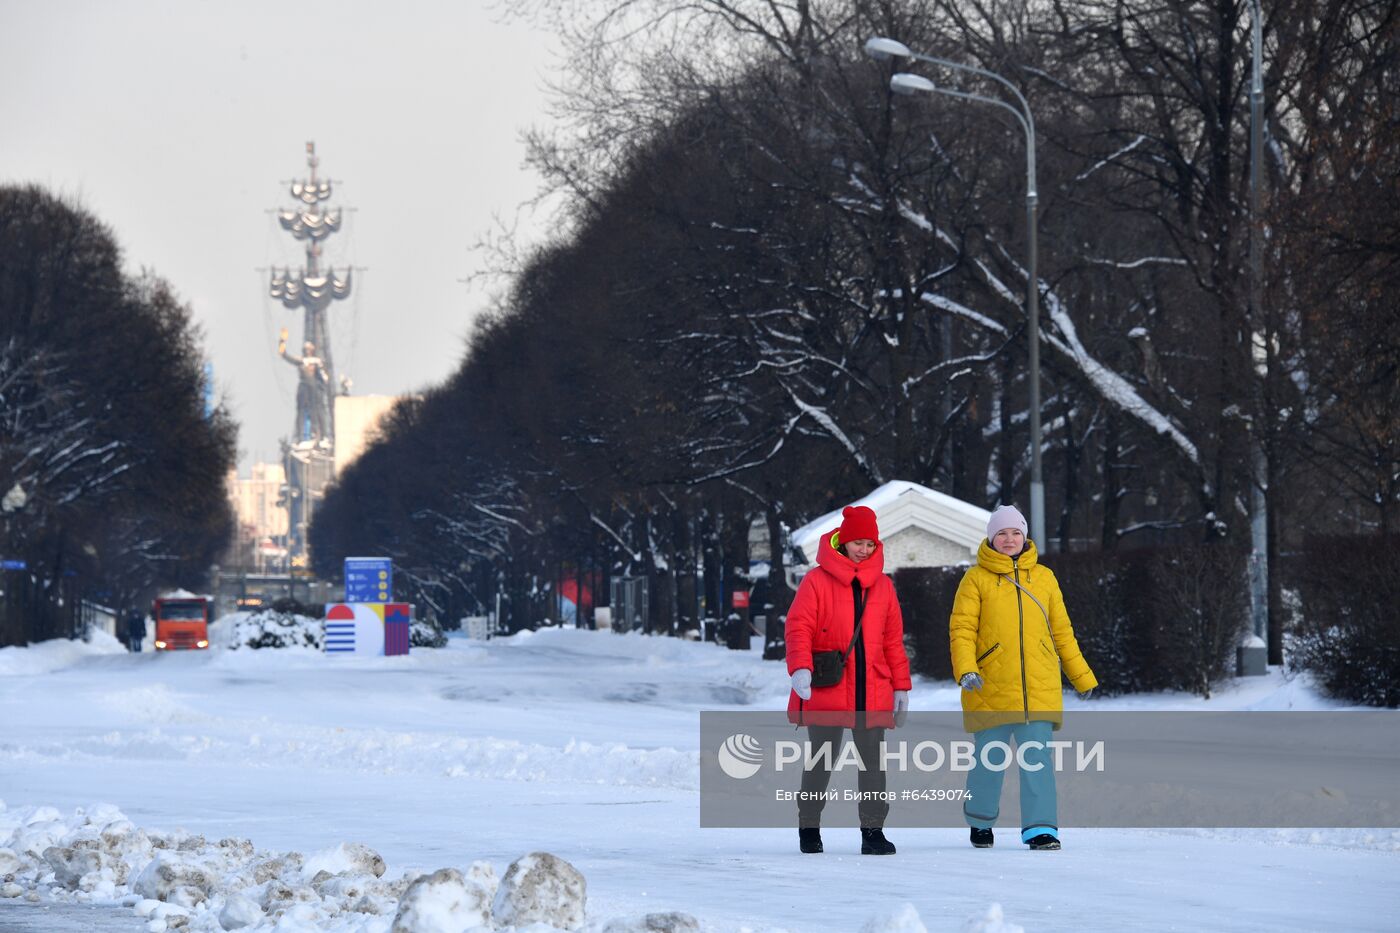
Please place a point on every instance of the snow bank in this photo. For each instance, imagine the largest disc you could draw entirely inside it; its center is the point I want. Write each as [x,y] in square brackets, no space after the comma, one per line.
[46,656]
[179,881]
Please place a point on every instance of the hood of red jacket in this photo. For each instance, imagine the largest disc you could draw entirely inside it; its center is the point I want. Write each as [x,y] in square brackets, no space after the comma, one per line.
[843,568]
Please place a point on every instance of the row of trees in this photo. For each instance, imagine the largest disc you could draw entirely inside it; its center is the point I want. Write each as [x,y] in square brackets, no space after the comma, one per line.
[112,473]
[776,285]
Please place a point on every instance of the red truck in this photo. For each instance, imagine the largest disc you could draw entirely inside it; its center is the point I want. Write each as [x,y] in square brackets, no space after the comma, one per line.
[182,622]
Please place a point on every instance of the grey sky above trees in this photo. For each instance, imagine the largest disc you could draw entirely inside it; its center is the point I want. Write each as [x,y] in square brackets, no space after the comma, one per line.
[179,123]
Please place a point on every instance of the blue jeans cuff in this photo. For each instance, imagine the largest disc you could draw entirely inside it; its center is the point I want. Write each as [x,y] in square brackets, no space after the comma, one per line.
[1030,832]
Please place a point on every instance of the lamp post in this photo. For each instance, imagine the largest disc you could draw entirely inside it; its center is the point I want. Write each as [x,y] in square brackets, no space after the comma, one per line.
[882,49]
[1259,520]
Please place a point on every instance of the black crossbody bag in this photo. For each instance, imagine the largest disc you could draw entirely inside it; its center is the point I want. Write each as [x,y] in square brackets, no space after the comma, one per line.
[828,666]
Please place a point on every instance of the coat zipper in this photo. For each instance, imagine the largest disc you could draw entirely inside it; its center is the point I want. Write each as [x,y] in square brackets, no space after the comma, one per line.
[1021,634]
[981,656]
[858,599]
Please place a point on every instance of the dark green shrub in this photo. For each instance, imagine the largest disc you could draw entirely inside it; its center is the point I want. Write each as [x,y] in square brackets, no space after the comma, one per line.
[1348,628]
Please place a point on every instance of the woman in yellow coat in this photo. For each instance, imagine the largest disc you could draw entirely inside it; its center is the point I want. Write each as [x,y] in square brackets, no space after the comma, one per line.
[1011,640]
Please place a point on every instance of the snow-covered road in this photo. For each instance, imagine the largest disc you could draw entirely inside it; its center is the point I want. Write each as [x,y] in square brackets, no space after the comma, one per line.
[585,745]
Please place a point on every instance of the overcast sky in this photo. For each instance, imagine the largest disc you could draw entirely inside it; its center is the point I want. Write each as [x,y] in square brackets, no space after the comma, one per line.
[179,124]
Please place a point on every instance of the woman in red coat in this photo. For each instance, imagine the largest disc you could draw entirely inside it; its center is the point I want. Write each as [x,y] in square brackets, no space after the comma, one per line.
[848,581]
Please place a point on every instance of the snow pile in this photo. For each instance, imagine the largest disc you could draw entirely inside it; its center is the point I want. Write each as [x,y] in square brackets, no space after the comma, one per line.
[904,918]
[541,888]
[54,655]
[447,901]
[992,921]
[184,882]
[901,919]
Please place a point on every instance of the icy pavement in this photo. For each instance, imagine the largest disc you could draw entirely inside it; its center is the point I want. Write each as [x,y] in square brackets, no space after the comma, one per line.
[19,917]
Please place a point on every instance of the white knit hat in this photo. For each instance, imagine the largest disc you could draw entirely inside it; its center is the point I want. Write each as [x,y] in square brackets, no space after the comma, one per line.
[1007,516]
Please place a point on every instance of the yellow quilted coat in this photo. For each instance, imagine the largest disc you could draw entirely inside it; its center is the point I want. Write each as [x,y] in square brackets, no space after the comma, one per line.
[1009,624]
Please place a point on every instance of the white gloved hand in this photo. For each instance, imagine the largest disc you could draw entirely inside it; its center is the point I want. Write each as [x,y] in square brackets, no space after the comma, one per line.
[802,683]
[901,701]
[971,681]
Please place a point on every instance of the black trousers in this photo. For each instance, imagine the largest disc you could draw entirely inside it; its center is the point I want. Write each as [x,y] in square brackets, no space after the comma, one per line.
[871,807]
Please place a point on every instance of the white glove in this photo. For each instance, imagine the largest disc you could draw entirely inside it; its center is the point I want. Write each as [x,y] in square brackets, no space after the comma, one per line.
[901,702]
[802,683]
[971,681]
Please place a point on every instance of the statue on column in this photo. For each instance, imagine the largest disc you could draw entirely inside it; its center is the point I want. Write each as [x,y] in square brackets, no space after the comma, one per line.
[311,390]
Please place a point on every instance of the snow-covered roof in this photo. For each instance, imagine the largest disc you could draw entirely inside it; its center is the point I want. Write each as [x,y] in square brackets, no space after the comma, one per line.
[900,504]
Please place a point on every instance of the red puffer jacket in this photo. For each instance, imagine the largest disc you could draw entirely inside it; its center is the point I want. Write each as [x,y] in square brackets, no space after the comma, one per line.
[822,618]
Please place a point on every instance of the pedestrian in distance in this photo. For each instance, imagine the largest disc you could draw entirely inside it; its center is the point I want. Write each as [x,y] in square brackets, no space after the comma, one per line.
[845,655]
[1011,641]
[135,630]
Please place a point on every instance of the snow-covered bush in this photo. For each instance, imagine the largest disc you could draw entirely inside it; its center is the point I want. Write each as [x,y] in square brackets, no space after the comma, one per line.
[276,628]
[426,634]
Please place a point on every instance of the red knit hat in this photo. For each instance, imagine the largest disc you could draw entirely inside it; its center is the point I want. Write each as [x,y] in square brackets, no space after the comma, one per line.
[857,523]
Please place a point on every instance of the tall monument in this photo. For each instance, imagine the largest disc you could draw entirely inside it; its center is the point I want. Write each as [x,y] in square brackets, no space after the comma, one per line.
[309,452]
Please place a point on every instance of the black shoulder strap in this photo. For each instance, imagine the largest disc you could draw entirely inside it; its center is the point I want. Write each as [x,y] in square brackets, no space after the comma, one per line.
[859,596]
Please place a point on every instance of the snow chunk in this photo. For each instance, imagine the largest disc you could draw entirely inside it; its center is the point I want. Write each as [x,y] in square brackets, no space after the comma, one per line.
[273,868]
[239,912]
[901,919]
[347,858]
[37,835]
[168,877]
[278,895]
[443,902]
[43,815]
[76,868]
[541,888]
[990,922]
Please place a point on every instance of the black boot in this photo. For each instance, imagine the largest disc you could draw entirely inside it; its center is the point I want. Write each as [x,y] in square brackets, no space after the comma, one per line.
[1043,841]
[873,842]
[982,838]
[810,840]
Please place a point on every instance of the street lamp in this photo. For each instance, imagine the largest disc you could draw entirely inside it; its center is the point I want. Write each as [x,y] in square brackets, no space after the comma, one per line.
[882,49]
[1259,517]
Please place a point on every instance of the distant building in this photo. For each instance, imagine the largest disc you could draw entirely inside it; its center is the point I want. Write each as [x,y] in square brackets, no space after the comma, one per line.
[357,419]
[919,527]
[262,517]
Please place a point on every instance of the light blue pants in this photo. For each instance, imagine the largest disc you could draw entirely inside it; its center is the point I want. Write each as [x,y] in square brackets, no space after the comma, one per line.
[1037,786]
